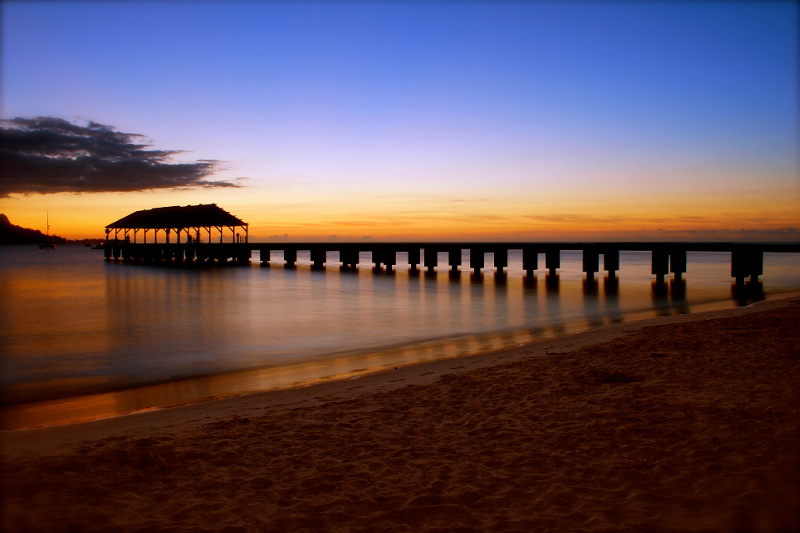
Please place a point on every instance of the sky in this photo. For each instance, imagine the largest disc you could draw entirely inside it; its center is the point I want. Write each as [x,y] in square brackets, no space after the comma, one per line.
[407,120]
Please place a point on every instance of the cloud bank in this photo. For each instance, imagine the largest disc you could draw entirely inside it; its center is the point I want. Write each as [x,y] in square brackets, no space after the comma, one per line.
[45,155]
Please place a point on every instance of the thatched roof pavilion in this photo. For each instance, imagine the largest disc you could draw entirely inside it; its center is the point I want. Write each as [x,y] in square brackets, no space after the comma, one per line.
[189,219]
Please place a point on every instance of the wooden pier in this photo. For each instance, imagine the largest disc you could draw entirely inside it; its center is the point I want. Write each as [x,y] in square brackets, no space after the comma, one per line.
[195,223]
[747,259]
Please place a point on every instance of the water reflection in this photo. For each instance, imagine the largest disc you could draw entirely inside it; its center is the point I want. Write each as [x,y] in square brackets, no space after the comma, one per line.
[669,297]
[553,303]
[589,286]
[78,332]
[748,292]
[612,302]
[678,296]
[611,285]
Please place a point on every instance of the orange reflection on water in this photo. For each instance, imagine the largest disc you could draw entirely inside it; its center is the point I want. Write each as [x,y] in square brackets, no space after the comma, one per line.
[183,392]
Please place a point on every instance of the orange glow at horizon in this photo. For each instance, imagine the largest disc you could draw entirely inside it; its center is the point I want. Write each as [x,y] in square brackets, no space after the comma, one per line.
[500,216]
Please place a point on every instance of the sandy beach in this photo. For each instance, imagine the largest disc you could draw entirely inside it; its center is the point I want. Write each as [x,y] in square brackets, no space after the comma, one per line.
[682,423]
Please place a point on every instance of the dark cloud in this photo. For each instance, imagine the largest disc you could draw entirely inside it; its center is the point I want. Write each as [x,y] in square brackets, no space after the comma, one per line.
[50,155]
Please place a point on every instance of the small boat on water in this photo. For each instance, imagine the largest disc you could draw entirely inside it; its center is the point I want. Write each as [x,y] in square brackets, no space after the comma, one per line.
[49,244]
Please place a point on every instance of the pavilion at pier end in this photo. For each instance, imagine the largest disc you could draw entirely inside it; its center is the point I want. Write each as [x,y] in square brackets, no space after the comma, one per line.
[192,233]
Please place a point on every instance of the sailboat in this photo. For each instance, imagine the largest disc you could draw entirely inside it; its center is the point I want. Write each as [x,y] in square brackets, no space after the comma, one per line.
[49,244]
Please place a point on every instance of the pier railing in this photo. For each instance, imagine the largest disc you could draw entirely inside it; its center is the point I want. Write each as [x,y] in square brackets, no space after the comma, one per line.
[747,259]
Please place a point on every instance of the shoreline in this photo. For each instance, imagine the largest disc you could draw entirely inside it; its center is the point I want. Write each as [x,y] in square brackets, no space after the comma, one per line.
[343,365]
[680,423]
[116,377]
[57,437]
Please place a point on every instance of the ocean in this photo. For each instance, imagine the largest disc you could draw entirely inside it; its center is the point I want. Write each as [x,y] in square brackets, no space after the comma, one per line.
[82,338]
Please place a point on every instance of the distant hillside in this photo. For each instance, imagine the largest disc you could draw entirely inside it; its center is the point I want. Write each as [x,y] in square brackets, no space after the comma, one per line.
[12,234]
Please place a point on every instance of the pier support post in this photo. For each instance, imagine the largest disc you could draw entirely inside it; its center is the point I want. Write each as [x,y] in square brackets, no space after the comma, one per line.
[318,258]
[476,259]
[660,265]
[677,263]
[378,259]
[349,258]
[265,255]
[591,262]
[290,257]
[530,261]
[413,258]
[553,260]
[431,258]
[611,262]
[500,259]
[454,258]
[746,262]
[389,258]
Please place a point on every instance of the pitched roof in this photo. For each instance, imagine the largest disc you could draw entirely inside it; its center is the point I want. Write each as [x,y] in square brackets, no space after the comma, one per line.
[190,216]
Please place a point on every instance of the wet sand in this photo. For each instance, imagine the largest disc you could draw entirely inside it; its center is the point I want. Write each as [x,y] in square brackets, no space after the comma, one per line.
[683,423]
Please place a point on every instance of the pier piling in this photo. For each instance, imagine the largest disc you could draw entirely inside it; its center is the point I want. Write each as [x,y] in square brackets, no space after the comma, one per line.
[390,259]
[290,257]
[660,266]
[349,258]
[500,259]
[530,260]
[413,258]
[677,263]
[611,262]
[476,259]
[746,262]
[553,260]
[454,258]
[318,257]
[431,258]
[591,262]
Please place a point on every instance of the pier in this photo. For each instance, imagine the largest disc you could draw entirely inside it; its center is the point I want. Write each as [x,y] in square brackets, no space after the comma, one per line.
[198,235]
[668,258]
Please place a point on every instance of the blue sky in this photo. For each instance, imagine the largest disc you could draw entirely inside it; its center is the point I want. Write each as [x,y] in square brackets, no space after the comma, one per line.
[397,117]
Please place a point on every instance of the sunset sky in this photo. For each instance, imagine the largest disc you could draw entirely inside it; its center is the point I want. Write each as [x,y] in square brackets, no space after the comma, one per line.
[423,120]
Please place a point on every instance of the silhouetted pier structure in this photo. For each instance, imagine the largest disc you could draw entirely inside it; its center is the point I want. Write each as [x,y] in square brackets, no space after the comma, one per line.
[747,259]
[197,221]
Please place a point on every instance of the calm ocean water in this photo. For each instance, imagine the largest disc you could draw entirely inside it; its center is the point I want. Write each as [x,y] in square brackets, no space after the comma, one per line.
[81,337]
